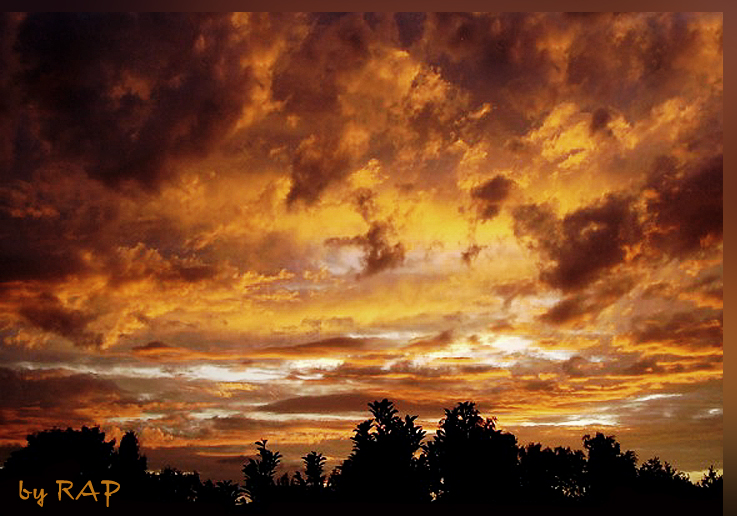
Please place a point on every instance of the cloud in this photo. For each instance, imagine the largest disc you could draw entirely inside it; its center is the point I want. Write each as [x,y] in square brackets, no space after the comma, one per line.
[47,313]
[685,206]
[317,163]
[326,404]
[410,27]
[379,253]
[51,389]
[586,306]
[125,94]
[697,330]
[438,342]
[491,194]
[599,120]
[320,348]
[471,252]
[585,244]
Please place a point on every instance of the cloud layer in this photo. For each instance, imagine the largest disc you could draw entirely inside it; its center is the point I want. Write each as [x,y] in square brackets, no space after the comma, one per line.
[217,228]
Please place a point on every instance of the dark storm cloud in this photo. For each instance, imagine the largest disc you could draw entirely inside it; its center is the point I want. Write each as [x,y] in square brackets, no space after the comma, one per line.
[316,348]
[151,346]
[599,120]
[594,238]
[582,306]
[327,52]
[307,80]
[42,230]
[497,58]
[52,389]
[583,245]
[47,313]
[687,207]
[317,162]
[326,404]
[410,26]
[697,329]
[243,423]
[601,60]
[567,310]
[379,253]
[365,203]
[125,93]
[491,195]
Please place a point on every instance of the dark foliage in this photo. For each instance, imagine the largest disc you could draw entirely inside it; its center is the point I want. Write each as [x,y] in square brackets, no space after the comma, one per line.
[468,462]
[384,464]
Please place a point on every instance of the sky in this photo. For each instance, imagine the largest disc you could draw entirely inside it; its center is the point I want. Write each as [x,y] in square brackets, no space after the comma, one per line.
[218,228]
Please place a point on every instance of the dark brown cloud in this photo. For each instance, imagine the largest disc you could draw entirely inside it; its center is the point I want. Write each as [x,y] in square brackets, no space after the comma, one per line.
[35,400]
[125,93]
[317,162]
[697,329]
[410,27]
[599,120]
[583,245]
[327,404]
[497,58]
[151,346]
[686,206]
[307,80]
[331,49]
[511,291]
[379,253]
[594,240]
[569,309]
[491,195]
[47,313]
[470,254]
[316,348]
[584,306]
[434,343]
[639,67]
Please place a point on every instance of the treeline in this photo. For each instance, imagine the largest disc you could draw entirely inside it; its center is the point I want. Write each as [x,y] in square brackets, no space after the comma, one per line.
[467,461]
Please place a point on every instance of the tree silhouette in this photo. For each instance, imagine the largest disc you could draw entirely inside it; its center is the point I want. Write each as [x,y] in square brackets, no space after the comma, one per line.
[75,455]
[712,484]
[173,486]
[383,465]
[224,493]
[469,459]
[259,474]
[129,466]
[657,479]
[314,467]
[609,471]
[551,476]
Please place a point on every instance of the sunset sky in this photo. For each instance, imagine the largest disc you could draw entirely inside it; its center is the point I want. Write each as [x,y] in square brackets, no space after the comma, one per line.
[221,228]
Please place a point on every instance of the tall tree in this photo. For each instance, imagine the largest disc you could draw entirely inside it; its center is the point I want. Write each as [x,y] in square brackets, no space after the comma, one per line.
[610,472]
[384,465]
[129,466]
[470,459]
[259,474]
[314,467]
